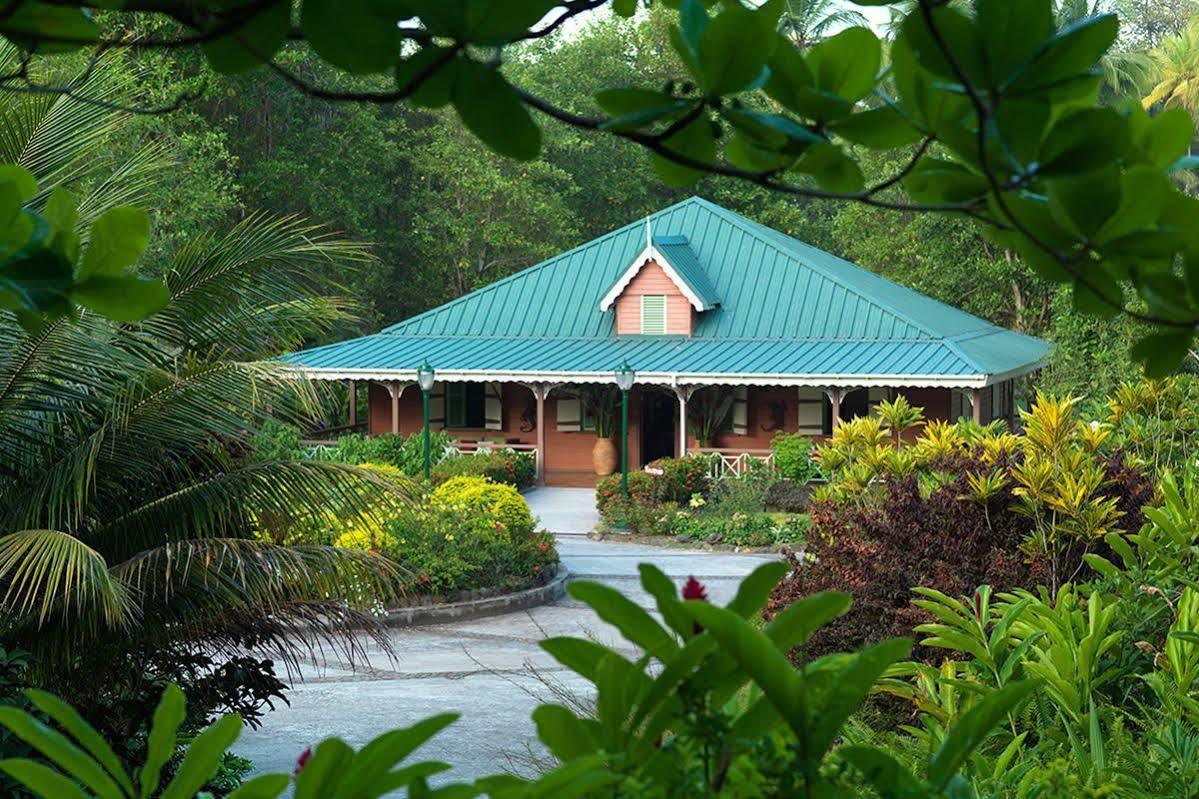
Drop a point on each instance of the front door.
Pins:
(658, 413)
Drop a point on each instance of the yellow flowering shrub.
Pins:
(480, 494)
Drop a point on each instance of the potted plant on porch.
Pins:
(709, 411)
(599, 409)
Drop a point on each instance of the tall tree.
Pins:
(806, 22)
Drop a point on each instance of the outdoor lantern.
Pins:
(424, 378)
(624, 381)
(624, 376)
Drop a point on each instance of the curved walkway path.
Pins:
(491, 669)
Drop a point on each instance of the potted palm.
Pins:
(709, 411)
(599, 407)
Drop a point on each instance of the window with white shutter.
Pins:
(653, 315)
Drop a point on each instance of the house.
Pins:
(692, 298)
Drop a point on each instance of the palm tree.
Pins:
(806, 22)
(129, 515)
(1175, 72)
(1123, 71)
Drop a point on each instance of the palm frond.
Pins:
(231, 501)
(49, 573)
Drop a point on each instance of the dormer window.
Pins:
(653, 315)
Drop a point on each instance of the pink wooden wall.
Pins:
(652, 279)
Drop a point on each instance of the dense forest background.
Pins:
(443, 216)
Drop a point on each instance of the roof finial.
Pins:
(649, 239)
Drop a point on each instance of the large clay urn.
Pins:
(604, 456)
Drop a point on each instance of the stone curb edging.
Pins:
(419, 615)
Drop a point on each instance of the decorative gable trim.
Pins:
(651, 253)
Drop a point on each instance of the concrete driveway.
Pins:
(491, 670)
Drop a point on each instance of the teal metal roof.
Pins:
(785, 309)
(686, 265)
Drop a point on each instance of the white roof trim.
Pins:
(651, 253)
(671, 378)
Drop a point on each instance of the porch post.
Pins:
(395, 406)
(976, 405)
(540, 390)
(835, 401)
(684, 394)
(353, 403)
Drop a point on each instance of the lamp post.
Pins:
(624, 381)
(424, 378)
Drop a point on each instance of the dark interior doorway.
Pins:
(657, 426)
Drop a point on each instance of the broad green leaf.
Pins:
(1072, 52)
(735, 46)
(789, 74)
(1100, 295)
(833, 169)
(850, 688)
(84, 734)
(879, 128)
(322, 773)
(254, 42)
(118, 239)
(624, 8)
(666, 596)
(951, 30)
(46, 28)
(1015, 29)
(757, 656)
(696, 142)
(774, 132)
(435, 89)
(203, 757)
(754, 590)
(635, 108)
(1166, 137)
(577, 654)
(481, 22)
(491, 109)
(44, 781)
(627, 616)
(265, 786)
(387, 751)
(360, 36)
(794, 625)
(1089, 139)
(125, 299)
(687, 35)
(1085, 203)
(936, 180)
(563, 733)
(846, 64)
(974, 727)
(161, 742)
(55, 747)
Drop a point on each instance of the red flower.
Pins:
(694, 589)
(302, 760)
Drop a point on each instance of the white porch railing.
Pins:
(734, 463)
(473, 447)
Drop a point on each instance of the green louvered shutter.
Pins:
(653, 315)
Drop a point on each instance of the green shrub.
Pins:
(741, 529)
(451, 548)
(407, 453)
(497, 501)
(787, 496)
(500, 465)
(275, 441)
(680, 478)
(793, 457)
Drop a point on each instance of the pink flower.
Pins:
(694, 589)
(302, 760)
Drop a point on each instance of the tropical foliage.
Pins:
(712, 707)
